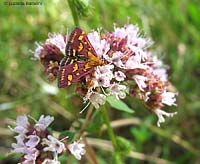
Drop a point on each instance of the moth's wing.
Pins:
(72, 73)
(66, 61)
(78, 45)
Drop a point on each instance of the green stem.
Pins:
(112, 136)
(74, 12)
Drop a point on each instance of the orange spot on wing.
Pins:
(80, 47)
(75, 68)
(69, 77)
(80, 37)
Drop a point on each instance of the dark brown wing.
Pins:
(72, 73)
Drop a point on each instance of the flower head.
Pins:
(35, 143)
(117, 63)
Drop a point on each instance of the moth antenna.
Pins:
(84, 108)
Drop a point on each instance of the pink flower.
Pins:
(77, 149)
(31, 155)
(119, 76)
(44, 122)
(101, 46)
(58, 40)
(53, 145)
(116, 59)
(103, 75)
(134, 62)
(22, 124)
(140, 80)
(33, 141)
(20, 147)
(38, 51)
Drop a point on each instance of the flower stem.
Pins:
(74, 12)
(112, 136)
(87, 119)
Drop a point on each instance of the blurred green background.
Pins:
(174, 25)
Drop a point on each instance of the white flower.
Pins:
(54, 145)
(115, 59)
(103, 81)
(120, 32)
(106, 70)
(140, 80)
(161, 114)
(161, 73)
(97, 99)
(101, 46)
(158, 68)
(44, 122)
(50, 161)
(58, 40)
(118, 91)
(119, 76)
(19, 147)
(28, 161)
(168, 98)
(135, 62)
(146, 96)
(31, 155)
(33, 141)
(77, 149)
(133, 37)
(103, 76)
(22, 124)
(38, 51)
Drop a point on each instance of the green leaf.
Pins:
(124, 145)
(140, 134)
(3, 156)
(119, 104)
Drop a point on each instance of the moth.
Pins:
(80, 59)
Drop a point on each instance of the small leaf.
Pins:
(124, 145)
(119, 104)
(140, 134)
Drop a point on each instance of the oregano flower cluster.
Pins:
(128, 67)
(37, 145)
